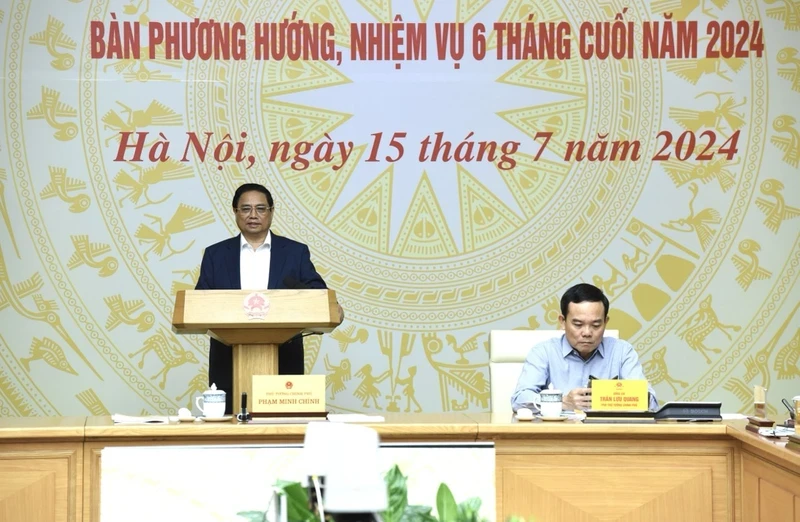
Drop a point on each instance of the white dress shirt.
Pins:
(254, 264)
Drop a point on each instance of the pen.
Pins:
(789, 407)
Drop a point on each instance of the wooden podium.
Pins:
(254, 323)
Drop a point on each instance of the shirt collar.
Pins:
(567, 348)
(267, 242)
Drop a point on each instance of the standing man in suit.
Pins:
(256, 259)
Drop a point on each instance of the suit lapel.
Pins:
(276, 261)
(232, 263)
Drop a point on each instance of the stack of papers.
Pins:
(285, 420)
(733, 416)
(129, 419)
(777, 431)
(332, 417)
(354, 417)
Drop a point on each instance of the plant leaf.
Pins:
(296, 501)
(473, 504)
(253, 516)
(446, 505)
(468, 510)
(418, 514)
(397, 492)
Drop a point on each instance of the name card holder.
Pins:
(289, 396)
(620, 395)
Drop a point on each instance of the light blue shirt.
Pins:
(555, 361)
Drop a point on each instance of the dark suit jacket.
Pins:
(290, 267)
(290, 261)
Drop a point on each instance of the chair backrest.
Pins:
(507, 352)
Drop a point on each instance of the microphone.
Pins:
(244, 415)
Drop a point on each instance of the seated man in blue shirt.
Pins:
(568, 361)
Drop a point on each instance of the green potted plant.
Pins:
(399, 510)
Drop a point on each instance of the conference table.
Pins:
(554, 471)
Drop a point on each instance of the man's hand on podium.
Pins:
(341, 312)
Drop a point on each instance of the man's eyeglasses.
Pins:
(247, 209)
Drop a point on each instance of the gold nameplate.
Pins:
(288, 394)
(619, 395)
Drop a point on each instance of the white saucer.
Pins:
(216, 419)
(524, 418)
(187, 419)
(559, 418)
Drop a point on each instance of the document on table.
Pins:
(354, 417)
(131, 419)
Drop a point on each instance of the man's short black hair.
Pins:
(583, 292)
(249, 187)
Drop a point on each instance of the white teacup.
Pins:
(524, 414)
(213, 402)
(549, 404)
